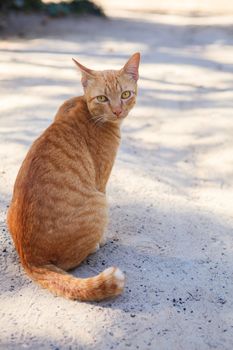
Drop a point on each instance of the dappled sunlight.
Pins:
(12, 103)
(171, 188)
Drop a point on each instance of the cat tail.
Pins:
(108, 283)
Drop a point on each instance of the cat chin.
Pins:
(109, 119)
(117, 120)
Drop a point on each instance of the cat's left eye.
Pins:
(102, 98)
(126, 94)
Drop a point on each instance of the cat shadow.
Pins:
(159, 261)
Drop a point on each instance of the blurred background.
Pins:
(171, 188)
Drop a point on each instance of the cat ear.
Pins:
(131, 67)
(87, 73)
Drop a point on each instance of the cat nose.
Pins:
(117, 111)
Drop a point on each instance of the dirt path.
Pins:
(170, 194)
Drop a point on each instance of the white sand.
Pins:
(170, 193)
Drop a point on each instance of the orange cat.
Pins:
(58, 213)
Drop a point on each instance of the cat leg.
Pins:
(85, 240)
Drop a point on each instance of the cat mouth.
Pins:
(119, 117)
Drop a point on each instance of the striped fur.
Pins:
(58, 212)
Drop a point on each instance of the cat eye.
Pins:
(102, 98)
(125, 94)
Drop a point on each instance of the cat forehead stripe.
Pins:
(112, 84)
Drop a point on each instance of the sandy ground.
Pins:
(170, 193)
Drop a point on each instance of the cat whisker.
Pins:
(98, 120)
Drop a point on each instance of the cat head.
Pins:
(111, 94)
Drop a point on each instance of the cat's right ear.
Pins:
(131, 66)
(87, 74)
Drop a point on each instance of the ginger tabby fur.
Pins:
(58, 214)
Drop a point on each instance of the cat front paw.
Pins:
(97, 247)
(103, 241)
